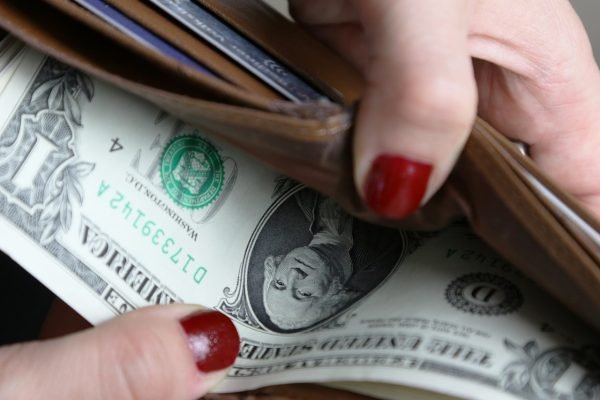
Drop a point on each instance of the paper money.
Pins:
(115, 205)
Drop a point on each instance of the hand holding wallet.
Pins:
(506, 199)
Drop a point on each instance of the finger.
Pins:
(420, 102)
(549, 85)
(166, 352)
(319, 12)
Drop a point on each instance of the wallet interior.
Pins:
(293, 47)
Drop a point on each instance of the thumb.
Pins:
(419, 104)
(165, 352)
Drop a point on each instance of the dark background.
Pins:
(24, 303)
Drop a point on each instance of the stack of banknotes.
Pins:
(115, 205)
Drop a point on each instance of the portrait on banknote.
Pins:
(310, 261)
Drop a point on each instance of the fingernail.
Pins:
(213, 340)
(395, 186)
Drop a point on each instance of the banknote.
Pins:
(115, 205)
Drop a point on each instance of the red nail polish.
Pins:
(395, 186)
(213, 340)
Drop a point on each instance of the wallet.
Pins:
(507, 201)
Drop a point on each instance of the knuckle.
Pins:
(439, 102)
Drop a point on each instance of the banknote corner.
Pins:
(192, 171)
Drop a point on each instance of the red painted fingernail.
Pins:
(213, 340)
(395, 186)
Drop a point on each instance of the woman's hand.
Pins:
(166, 352)
(525, 66)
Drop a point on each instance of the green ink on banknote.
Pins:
(192, 171)
(150, 229)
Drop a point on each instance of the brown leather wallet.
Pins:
(507, 200)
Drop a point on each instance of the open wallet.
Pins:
(507, 201)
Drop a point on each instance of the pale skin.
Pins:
(534, 78)
(141, 355)
(533, 63)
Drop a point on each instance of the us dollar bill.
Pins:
(115, 205)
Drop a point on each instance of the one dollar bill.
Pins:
(115, 205)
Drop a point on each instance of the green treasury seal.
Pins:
(192, 171)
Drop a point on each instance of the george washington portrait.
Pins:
(311, 261)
